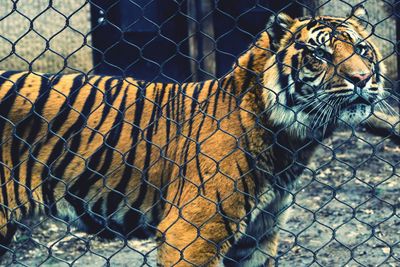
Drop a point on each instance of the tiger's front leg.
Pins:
(385, 125)
(198, 234)
(186, 245)
(258, 245)
(248, 252)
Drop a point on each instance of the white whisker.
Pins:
(323, 101)
(332, 108)
(386, 108)
(327, 118)
(321, 113)
(391, 94)
(389, 107)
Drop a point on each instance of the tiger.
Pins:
(206, 168)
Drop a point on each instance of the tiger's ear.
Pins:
(277, 26)
(360, 14)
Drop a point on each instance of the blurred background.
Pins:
(162, 40)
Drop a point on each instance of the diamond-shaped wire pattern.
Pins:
(199, 133)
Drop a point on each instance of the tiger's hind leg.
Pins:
(7, 231)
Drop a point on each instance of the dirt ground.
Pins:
(345, 212)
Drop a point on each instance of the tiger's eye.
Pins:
(319, 53)
(360, 50)
(322, 54)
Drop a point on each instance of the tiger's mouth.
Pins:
(354, 97)
(356, 109)
(339, 105)
(359, 100)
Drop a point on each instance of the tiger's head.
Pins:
(325, 70)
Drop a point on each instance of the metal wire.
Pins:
(251, 168)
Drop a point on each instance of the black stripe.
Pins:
(46, 85)
(149, 136)
(311, 24)
(183, 95)
(15, 145)
(155, 209)
(88, 178)
(174, 89)
(180, 107)
(37, 109)
(74, 131)
(250, 159)
(35, 151)
(308, 80)
(178, 95)
(108, 103)
(295, 68)
(227, 88)
(376, 64)
(217, 92)
(290, 97)
(318, 38)
(5, 107)
(79, 190)
(334, 23)
(283, 78)
(320, 28)
(159, 104)
(97, 209)
(247, 205)
(117, 195)
(206, 102)
(195, 99)
(291, 100)
(133, 215)
(187, 143)
(204, 111)
(300, 45)
(348, 36)
(3, 115)
(65, 109)
(168, 119)
(312, 42)
(249, 74)
(58, 148)
(233, 96)
(231, 236)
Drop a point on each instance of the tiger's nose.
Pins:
(359, 79)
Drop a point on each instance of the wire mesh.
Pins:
(152, 152)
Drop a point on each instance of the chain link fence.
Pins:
(199, 133)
